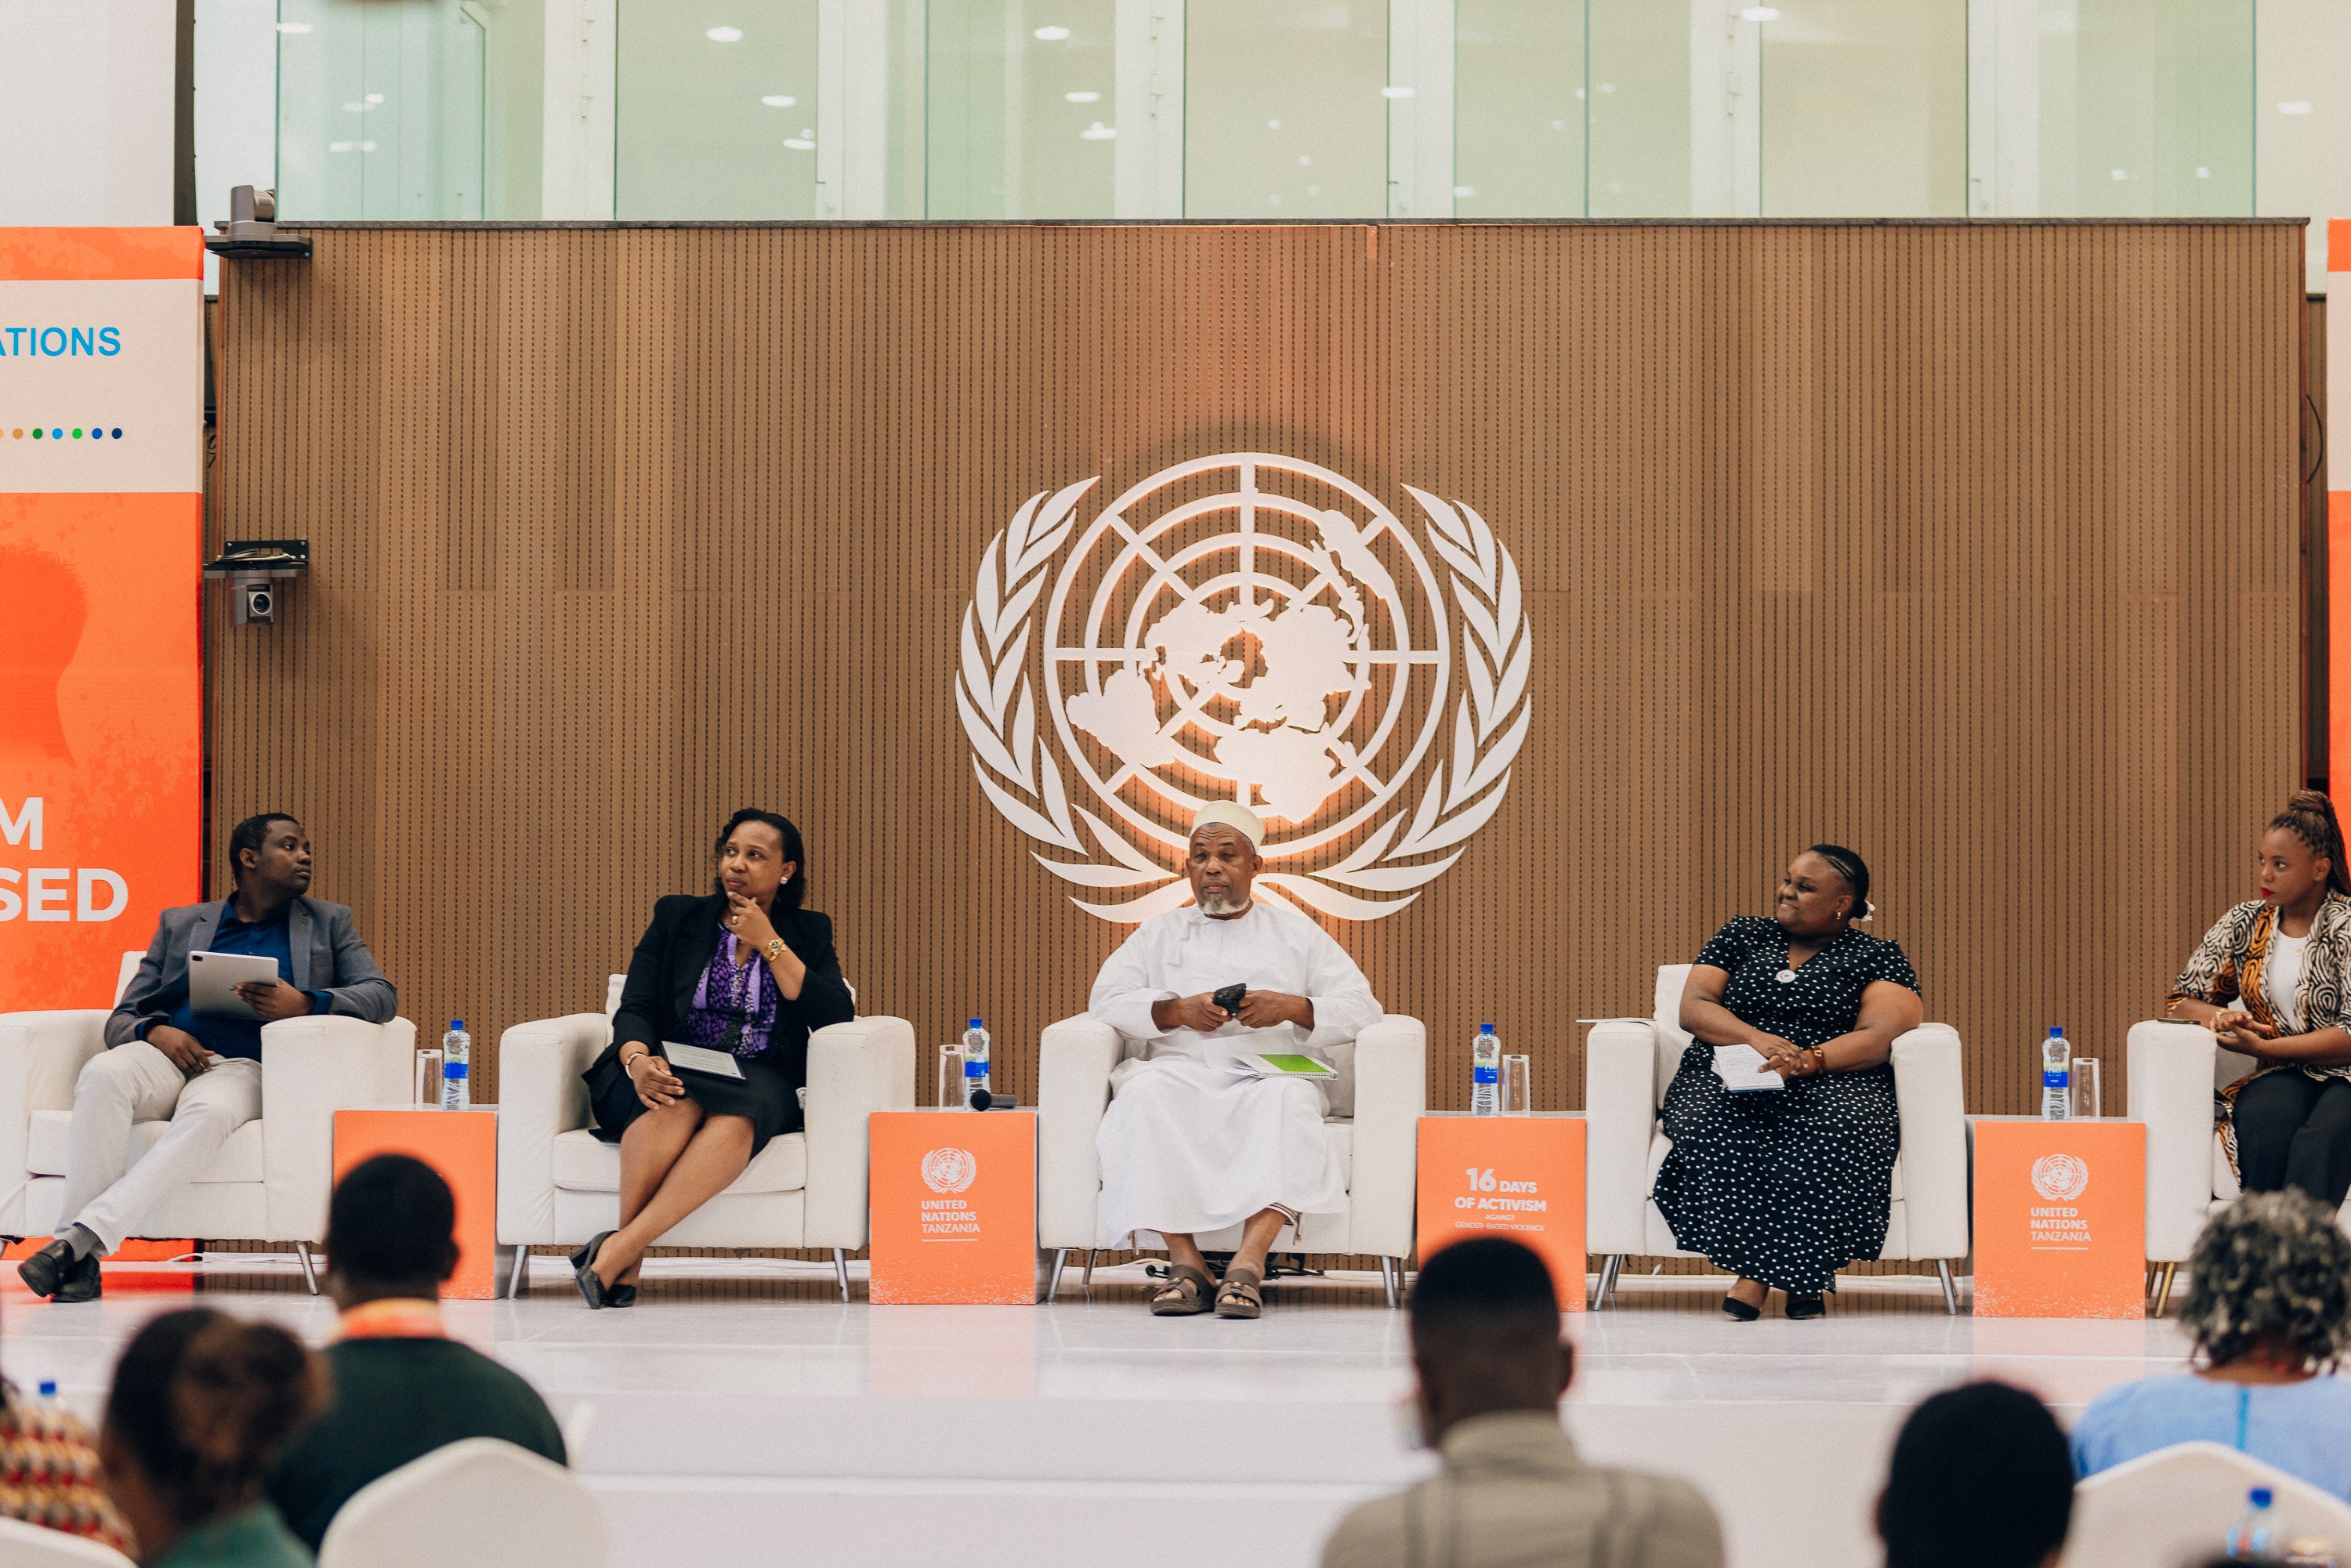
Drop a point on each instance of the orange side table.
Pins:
(2060, 1218)
(1519, 1176)
(954, 1196)
(463, 1146)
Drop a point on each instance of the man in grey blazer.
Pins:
(202, 1071)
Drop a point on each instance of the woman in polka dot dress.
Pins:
(1782, 1188)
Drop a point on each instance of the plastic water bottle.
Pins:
(48, 1393)
(2056, 1076)
(1486, 1073)
(975, 1060)
(2250, 1536)
(456, 1090)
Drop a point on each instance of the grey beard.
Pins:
(1218, 904)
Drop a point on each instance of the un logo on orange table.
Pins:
(949, 1170)
(2061, 1178)
(1247, 627)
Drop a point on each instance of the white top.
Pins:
(1267, 947)
(2282, 976)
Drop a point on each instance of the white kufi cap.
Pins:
(1232, 814)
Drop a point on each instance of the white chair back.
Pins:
(126, 974)
(2175, 1506)
(1672, 1038)
(479, 1501)
(612, 984)
(24, 1545)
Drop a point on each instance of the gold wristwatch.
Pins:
(774, 949)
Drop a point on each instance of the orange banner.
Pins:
(101, 521)
(2060, 1218)
(463, 1146)
(1519, 1176)
(954, 1208)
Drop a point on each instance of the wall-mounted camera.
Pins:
(251, 226)
(257, 572)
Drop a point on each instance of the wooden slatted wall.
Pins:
(1972, 545)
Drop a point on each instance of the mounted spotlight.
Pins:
(253, 567)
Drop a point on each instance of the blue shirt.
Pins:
(2302, 1428)
(266, 939)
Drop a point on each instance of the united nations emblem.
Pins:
(2061, 1178)
(1255, 628)
(949, 1170)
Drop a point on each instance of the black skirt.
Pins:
(766, 1097)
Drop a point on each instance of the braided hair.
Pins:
(1855, 872)
(2310, 816)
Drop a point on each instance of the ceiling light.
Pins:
(1097, 131)
(1607, 87)
(1759, 14)
(2295, 107)
(1305, 160)
(1313, 189)
(338, 146)
(1083, 97)
(1465, 190)
(2122, 174)
(293, 26)
(367, 146)
(1395, 92)
(800, 144)
(2202, 173)
(779, 101)
(375, 98)
(1052, 34)
(1559, 125)
(1273, 125)
(725, 35)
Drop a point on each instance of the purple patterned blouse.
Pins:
(735, 1005)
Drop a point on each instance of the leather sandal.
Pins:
(1187, 1293)
(1237, 1297)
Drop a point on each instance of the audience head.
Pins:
(200, 1405)
(2270, 1279)
(1825, 890)
(391, 1231)
(270, 853)
(761, 857)
(2303, 851)
(1980, 1478)
(1222, 856)
(1484, 1333)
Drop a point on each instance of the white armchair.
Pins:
(1375, 1107)
(1628, 1062)
(269, 1182)
(558, 1184)
(2172, 1070)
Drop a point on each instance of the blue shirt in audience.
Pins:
(264, 939)
(2302, 1428)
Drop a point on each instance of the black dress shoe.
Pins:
(1812, 1306)
(583, 1272)
(1739, 1311)
(620, 1296)
(44, 1271)
(81, 1283)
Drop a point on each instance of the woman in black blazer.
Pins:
(745, 970)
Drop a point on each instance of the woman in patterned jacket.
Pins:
(2268, 980)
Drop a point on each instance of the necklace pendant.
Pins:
(1786, 977)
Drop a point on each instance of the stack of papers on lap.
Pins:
(1742, 1070)
(697, 1059)
(1281, 1065)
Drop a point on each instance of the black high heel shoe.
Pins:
(583, 1273)
(1813, 1306)
(1739, 1311)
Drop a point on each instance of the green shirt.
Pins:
(397, 1400)
(256, 1538)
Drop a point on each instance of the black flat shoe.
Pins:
(47, 1269)
(583, 1273)
(1812, 1306)
(1739, 1311)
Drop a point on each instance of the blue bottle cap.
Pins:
(973, 1024)
(2056, 1030)
(1485, 1028)
(48, 1388)
(2260, 1495)
(460, 1023)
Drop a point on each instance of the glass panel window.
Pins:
(714, 109)
(380, 109)
(1285, 114)
(1639, 109)
(2147, 108)
(1021, 118)
(1866, 109)
(1518, 116)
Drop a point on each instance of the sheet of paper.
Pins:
(717, 1064)
(1740, 1068)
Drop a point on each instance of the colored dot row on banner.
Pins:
(65, 432)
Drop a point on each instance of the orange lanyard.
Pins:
(394, 1317)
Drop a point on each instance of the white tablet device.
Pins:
(212, 979)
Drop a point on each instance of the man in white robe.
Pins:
(1188, 1146)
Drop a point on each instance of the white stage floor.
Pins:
(742, 1415)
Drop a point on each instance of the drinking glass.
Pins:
(951, 1092)
(428, 1078)
(2086, 1098)
(1517, 1086)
